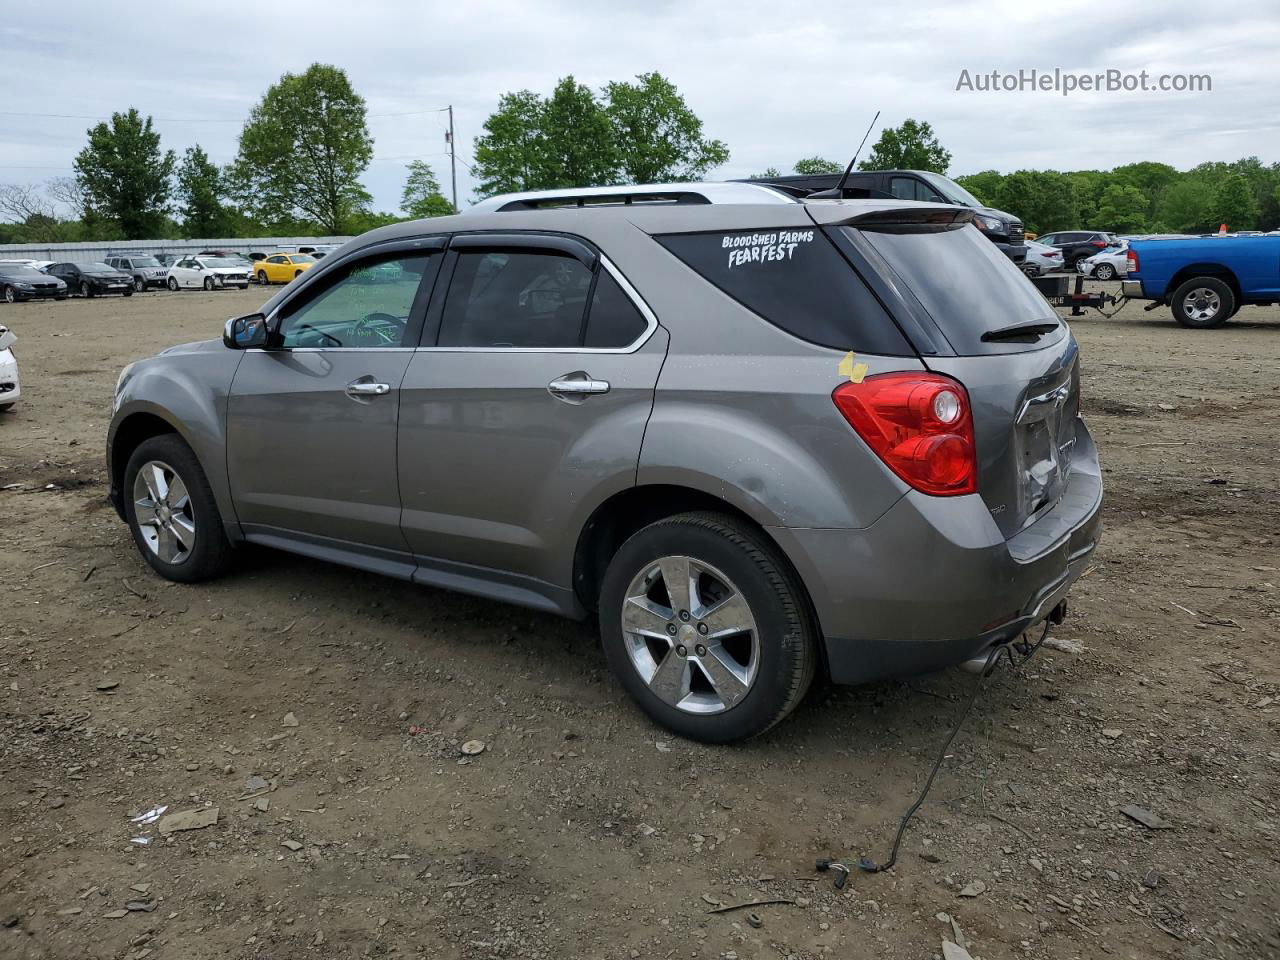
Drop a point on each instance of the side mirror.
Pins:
(244, 333)
(7, 339)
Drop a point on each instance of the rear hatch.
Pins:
(976, 318)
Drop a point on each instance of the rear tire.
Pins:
(180, 537)
(262, 277)
(770, 665)
(1202, 303)
(1105, 271)
(172, 284)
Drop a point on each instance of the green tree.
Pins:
(199, 195)
(1088, 185)
(911, 146)
(813, 166)
(421, 197)
(1153, 179)
(1123, 209)
(125, 176)
(766, 174)
(581, 150)
(511, 155)
(1234, 204)
(657, 137)
(984, 185)
(1184, 208)
(1044, 199)
(304, 148)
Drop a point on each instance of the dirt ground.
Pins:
(582, 830)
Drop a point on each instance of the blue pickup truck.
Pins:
(1204, 280)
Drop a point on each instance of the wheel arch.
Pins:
(1204, 269)
(138, 426)
(629, 510)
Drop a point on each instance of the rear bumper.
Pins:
(1132, 288)
(933, 582)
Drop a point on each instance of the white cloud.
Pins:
(774, 82)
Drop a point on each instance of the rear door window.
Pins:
(965, 284)
(515, 298)
(798, 281)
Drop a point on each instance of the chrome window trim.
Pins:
(651, 324)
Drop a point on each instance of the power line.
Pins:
(85, 116)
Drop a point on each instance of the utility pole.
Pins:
(453, 162)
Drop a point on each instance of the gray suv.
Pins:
(758, 441)
(146, 270)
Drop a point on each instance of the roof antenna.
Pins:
(849, 169)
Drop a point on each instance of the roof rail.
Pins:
(644, 194)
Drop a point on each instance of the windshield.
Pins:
(145, 262)
(219, 262)
(952, 190)
(301, 258)
(95, 267)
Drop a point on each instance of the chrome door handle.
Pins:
(364, 388)
(576, 387)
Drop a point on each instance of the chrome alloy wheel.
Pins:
(1202, 304)
(690, 635)
(163, 508)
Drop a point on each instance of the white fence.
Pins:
(80, 252)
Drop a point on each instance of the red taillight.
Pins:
(919, 424)
(1132, 257)
(1099, 243)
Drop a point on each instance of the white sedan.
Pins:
(1041, 259)
(209, 273)
(1106, 264)
(10, 388)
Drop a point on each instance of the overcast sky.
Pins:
(775, 82)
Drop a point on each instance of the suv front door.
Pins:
(311, 419)
(525, 406)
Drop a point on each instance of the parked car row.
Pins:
(127, 274)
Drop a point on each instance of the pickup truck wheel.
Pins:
(172, 513)
(706, 627)
(1203, 302)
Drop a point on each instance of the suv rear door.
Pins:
(1023, 389)
(527, 400)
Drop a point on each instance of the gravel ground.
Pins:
(322, 713)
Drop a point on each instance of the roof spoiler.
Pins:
(578, 199)
(915, 218)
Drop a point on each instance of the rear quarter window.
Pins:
(796, 280)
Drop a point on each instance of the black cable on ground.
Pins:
(866, 864)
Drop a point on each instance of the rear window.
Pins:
(964, 283)
(796, 280)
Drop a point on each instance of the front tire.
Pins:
(172, 513)
(128, 292)
(172, 284)
(86, 291)
(1203, 302)
(707, 627)
(208, 284)
(139, 284)
(10, 295)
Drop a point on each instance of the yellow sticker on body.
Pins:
(856, 372)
